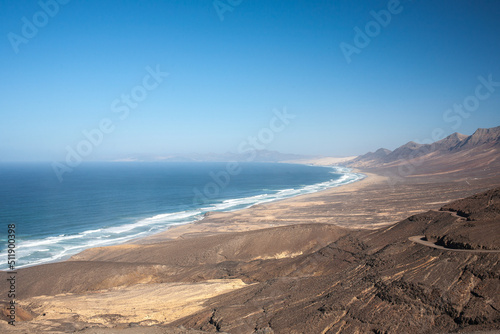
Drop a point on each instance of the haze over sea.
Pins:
(102, 204)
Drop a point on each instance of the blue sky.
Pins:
(225, 77)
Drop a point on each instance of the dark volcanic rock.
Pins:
(483, 206)
(372, 282)
(479, 227)
(315, 278)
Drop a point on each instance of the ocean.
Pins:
(100, 204)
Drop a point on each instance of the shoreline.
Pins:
(236, 254)
(370, 203)
(158, 235)
(206, 226)
(355, 205)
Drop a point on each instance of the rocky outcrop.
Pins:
(477, 226)
(481, 137)
(371, 282)
(312, 278)
(462, 146)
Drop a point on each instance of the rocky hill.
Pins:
(483, 143)
(314, 278)
(375, 282)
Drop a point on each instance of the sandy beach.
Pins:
(370, 203)
(170, 276)
(250, 167)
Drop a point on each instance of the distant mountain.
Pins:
(482, 137)
(251, 156)
(450, 142)
(371, 157)
(483, 142)
(378, 154)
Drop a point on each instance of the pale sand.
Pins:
(147, 304)
(273, 214)
(373, 202)
(369, 203)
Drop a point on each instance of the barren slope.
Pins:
(368, 282)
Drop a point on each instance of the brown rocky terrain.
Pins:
(453, 152)
(478, 221)
(398, 252)
(377, 282)
(314, 278)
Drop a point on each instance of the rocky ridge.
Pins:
(456, 144)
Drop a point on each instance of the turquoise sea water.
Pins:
(101, 204)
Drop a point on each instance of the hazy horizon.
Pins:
(204, 157)
(116, 79)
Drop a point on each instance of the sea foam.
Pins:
(54, 248)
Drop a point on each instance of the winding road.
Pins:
(419, 240)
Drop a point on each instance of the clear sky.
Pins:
(353, 83)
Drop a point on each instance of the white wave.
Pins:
(39, 251)
(91, 231)
(158, 219)
(236, 204)
(49, 240)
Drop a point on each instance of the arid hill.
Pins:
(375, 282)
(483, 144)
(315, 278)
(337, 261)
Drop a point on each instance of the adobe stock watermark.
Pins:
(121, 107)
(460, 111)
(372, 29)
(248, 148)
(11, 262)
(223, 6)
(30, 27)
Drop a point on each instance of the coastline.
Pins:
(373, 202)
(194, 265)
(214, 222)
(362, 204)
(370, 203)
(194, 216)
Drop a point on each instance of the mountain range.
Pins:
(483, 144)
(421, 255)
